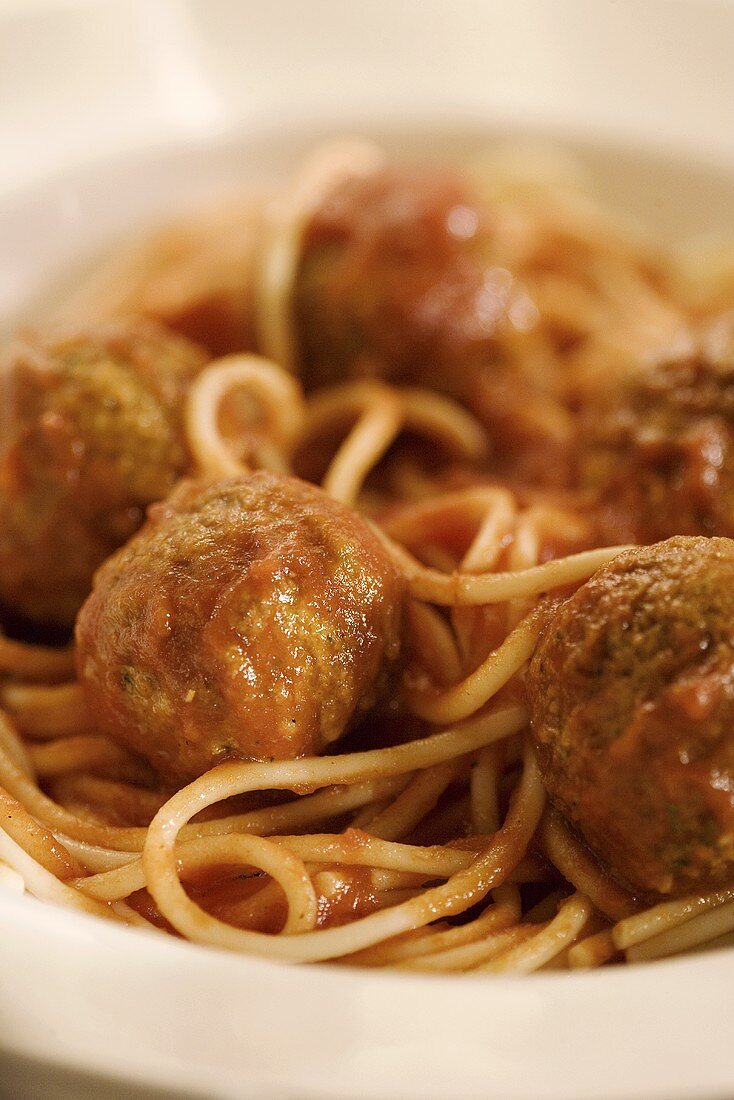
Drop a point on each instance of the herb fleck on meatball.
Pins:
(90, 434)
(251, 618)
(631, 694)
(659, 451)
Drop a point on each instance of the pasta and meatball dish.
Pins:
(367, 579)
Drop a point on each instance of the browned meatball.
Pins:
(659, 451)
(398, 281)
(631, 694)
(90, 434)
(250, 618)
(393, 281)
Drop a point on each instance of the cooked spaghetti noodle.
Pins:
(425, 840)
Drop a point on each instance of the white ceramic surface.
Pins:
(80, 80)
(184, 100)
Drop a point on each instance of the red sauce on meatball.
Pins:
(250, 618)
(631, 694)
(399, 281)
(90, 434)
(658, 449)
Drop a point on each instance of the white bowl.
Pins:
(78, 996)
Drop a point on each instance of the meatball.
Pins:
(90, 434)
(659, 449)
(631, 694)
(398, 281)
(251, 618)
(393, 282)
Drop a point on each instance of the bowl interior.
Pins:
(157, 1011)
(52, 232)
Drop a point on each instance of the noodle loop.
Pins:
(430, 348)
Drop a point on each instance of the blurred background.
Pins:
(81, 79)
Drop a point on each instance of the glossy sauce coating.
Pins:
(250, 618)
(659, 448)
(398, 281)
(393, 282)
(90, 434)
(631, 694)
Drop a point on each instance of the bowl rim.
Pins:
(620, 999)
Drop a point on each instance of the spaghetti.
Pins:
(425, 841)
